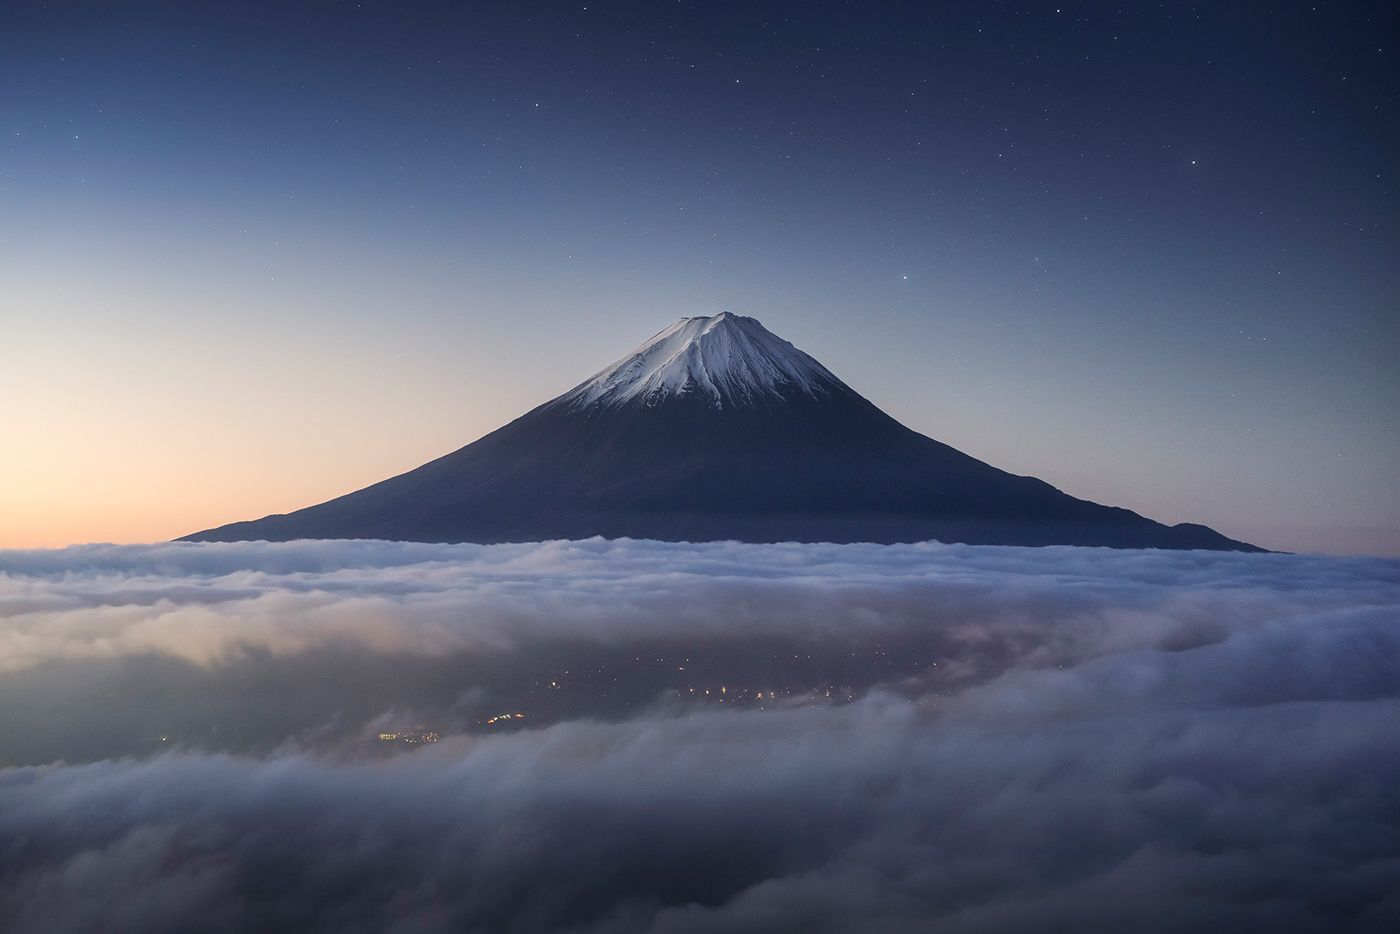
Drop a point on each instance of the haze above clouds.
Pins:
(988, 738)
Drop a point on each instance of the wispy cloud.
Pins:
(1021, 739)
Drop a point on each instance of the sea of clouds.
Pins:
(964, 739)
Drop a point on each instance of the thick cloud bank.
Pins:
(712, 738)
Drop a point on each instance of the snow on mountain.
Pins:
(727, 358)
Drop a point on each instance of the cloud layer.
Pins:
(988, 739)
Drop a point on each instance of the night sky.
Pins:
(255, 255)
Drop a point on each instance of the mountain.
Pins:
(716, 428)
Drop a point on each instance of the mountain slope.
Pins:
(716, 428)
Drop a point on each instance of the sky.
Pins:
(256, 255)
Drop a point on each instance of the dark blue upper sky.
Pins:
(1148, 252)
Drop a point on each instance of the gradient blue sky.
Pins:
(255, 255)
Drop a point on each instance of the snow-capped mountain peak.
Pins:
(715, 429)
(727, 359)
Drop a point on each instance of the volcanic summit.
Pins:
(716, 428)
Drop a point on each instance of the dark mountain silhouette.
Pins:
(716, 429)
